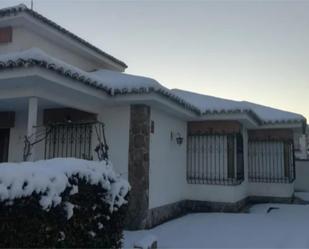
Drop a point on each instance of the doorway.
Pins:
(4, 144)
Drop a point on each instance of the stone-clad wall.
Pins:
(139, 166)
(158, 215)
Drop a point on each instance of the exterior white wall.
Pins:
(302, 175)
(17, 137)
(271, 189)
(302, 151)
(17, 134)
(167, 182)
(25, 39)
(216, 193)
(117, 126)
(167, 174)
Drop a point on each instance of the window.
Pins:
(271, 161)
(215, 159)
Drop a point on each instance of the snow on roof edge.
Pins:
(36, 57)
(201, 101)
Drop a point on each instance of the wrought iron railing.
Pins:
(215, 159)
(271, 161)
(68, 139)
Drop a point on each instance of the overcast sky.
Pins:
(243, 50)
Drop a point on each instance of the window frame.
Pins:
(288, 163)
(234, 167)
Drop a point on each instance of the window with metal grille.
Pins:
(69, 140)
(271, 161)
(215, 159)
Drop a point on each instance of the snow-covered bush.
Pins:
(61, 203)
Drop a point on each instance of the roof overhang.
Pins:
(299, 126)
(39, 71)
(245, 119)
(158, 101)
(36, 81)
(18, 82)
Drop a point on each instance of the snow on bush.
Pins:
(50, 178)
(62, 203)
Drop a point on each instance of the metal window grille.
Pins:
(69, 140)
(271, 161)
(215, 159)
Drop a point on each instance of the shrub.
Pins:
(61, 203)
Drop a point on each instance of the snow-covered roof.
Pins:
(210, 105)
(14, 10)
(112, 83)
(273, 115)
(123, 82)
(117, 83)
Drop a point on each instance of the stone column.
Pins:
(139, 166)
(32, 123)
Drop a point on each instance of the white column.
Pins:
(32, 123)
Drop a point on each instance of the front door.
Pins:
(4, 144)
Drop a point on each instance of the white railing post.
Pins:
(32, 123)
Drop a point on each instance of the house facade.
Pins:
(181, 151)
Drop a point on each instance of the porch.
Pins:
(32, 100)
(35, 128)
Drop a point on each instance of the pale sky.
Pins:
(244, 50)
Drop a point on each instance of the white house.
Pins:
(180, 151)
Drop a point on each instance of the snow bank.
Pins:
(50, 178)
(302, 195)
(146, 242)
(286, 227)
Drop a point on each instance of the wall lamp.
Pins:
(178, 138)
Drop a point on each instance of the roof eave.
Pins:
(92, 82)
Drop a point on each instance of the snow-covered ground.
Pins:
(285, 226)
(302, 195)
